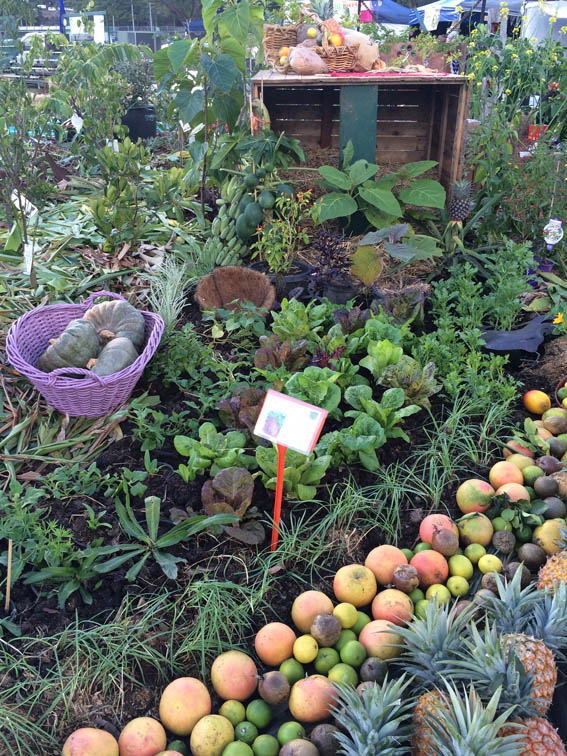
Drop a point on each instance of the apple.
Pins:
(312, 32)
(337, 39)
(283, 60)
(284, 52)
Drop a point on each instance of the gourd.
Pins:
(115, 356)
(116, 319)
(75, 347)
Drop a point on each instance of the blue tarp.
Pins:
(447, 12)
(196, 26)
(389, 12)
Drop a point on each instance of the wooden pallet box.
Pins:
(391, 120)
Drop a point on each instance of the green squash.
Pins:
(75, 347)
(116, 319)
(115, 356)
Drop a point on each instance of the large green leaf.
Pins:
(209, 13)
(220, 70)
(337, 179)
(162, 64)
(361, 171)
(336, 205)
(189, 104)
(237, 52)
(424, 192)
(411, 170)
(383, 199)
(366, 264)
(177, 52)
(377, 218)
(226, 107)
(235, 21)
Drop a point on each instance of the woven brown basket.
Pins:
(338, 58)
(229, 286)
(276, 37)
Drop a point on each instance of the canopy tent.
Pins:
(430, 15)
(537, 23)
(390, 12)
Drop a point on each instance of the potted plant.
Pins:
(140, 116)
(278, 242)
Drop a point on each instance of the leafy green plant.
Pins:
(151, 544)
(357, 443)
(242, 409)
(245, 323)
(212, 450)
(276, 354)
(355, 188)
(296, 321)
(317, 386)
(302, 474)
(380, 355)
(418, 383)
(267, 150)
(94, 519)
(230, 491)
(69, 481)
(519, 514)
(398, 241)
(389, 411)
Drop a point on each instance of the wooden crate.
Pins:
(417, 118)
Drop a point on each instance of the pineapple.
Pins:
(460, 207)
(323, 8)
(539, 738)
(376, 723)
(521, 665)
(447, 723)
(553, 572)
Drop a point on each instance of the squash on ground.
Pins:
(116, 319)
(75, 347)
(115, 356)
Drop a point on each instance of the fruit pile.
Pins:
(514, 524)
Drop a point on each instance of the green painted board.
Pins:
(359, 111)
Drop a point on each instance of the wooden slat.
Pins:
(297, 112)
(396, 143)
(391, 128)
(409, 115)
(399, 158)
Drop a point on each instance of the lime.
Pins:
(347, 614)
(326, 660)
(439, 593)
(290, 731)
(499, 523)
(421, 608)
(353, 653)
(344, 638)
(408, 553)
(238, 748)
(293, 670)
(531, 473)
(489, 563)
(461, 566)
(474, 552)
(363, 619)
(259, 713)
(343, 673)
(562, 393)
(234, 711)
(417, 595)
(266, 745)
(458, 586)
(179, 746)
(523, 534)
(305, 649)
(246, 732)
(422, 547)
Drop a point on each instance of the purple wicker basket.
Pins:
(93, 395)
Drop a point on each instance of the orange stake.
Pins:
(279, 493)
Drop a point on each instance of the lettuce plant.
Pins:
(211, 450)
(230, 491)
(380, 355)
(417, 382)
(317, 386)
(302, 474)
(389, 411)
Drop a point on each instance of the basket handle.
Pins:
(65, 371)
(88, 302)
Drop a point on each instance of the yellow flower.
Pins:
(514, 56)
(553, 19)
(559, 318)
(508, 91)
(472, 44)
(563, 30)
(516, 166)
(529, 52)
(479, 83)
(495, 68)
(472, 76)
(474, 32)
(459, 9)
(524, 18)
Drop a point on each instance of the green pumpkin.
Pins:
(116, 319)
(73, 348)
(115, 356)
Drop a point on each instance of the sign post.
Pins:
(290, 424)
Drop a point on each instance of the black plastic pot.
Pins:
(339, 292)
(141, 121)
(299, 276)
